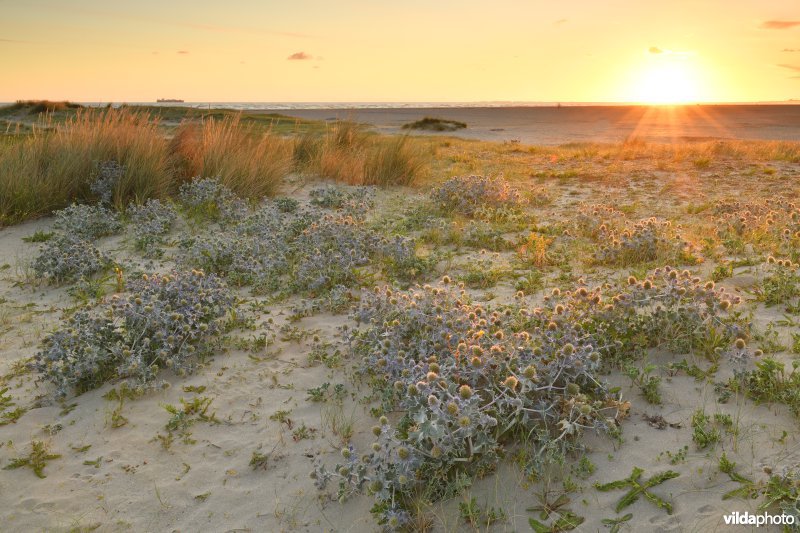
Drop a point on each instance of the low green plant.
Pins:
(677, 457)
(704, 431)
(769, 382)
(615, 524)
(36, 460)
(7, 414)
(637, 488)
(185, 416)
(647, 383)
(40, 236)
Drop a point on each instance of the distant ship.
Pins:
(169, 100)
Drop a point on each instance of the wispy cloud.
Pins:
(559, 22)
(299, 56)
(795, 68)
(11, 41)
(657, 50)
(779, 24)
(791, 49)
(183, 52)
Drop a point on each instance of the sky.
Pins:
(392, 51)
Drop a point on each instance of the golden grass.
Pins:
(54, 166)
(346, 154)
(250, 163)
(56, 163)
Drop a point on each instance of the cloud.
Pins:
(779, 24)
(183, 52)
(299, 56)
(559, 22)
(11, 41)
(795, 68)
(791, 49)
(655, 50)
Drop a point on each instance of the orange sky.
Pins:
(414, 50)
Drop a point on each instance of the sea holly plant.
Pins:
(467, 379)
(208, 199)
(470, 196)
(87, 221)
(151, 221)
(66, 258)
(165, 321)
(71, 255)
(647, 240)
(637, 488)
(309, 250)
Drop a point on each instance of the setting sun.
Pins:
(666, 81)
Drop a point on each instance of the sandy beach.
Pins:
(603, 124)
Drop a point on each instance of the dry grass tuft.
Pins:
(346, 154)
(250, 163)
(55, 165)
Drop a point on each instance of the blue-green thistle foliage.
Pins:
(307, 249)
(71, 255)
(163, 322)
(468, 380)
(151, 221)
(469, 195)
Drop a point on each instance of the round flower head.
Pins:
(465, 391)
(511, 382)
(740, 344)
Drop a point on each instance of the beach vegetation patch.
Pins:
(435, 124)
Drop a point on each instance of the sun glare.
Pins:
(666, 82)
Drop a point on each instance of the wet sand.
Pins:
(560, 125)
